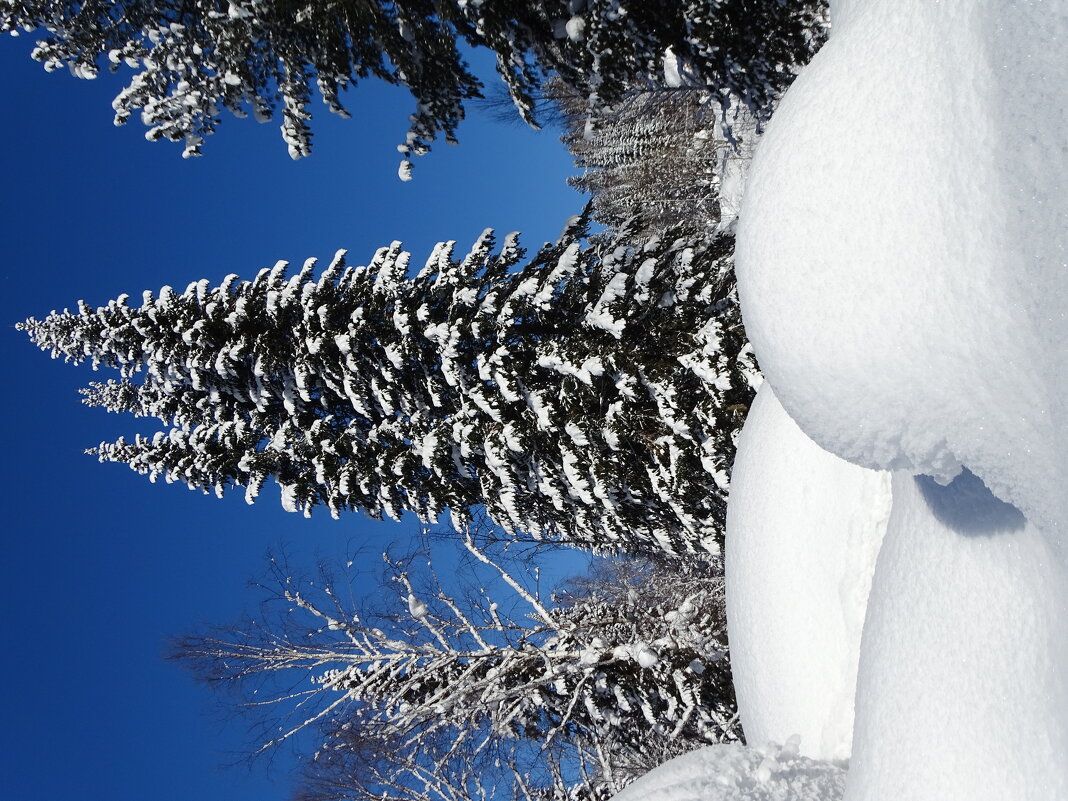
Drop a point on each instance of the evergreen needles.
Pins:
(586, 395)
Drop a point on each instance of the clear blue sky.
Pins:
(100, 567)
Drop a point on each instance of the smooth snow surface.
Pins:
(736, 773)
(902, 263)
(733, 173)
(959, 697)
(902, 247)
(839, 11)
(803, 531)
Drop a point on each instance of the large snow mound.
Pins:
(902, 263)
(902, 246)
(803, 531)
(961, 694)
(737, 773)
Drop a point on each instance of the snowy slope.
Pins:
(737, 773)
(803, 531)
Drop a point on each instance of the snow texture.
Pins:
(840, 9)
(901, 264)
(673, 71)
(961, 692)
(733, 175)
(799, 561)
(576, 28)
(736, 773)
(902, 245)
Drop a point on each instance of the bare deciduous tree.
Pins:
(446, 697)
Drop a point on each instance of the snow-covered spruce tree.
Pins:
(195, 58)
(738, 50)
(589, 395)
(560, 697)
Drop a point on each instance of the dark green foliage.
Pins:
(745, 51)
(195, 58)
(589, 395)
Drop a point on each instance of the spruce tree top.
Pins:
(589, 394)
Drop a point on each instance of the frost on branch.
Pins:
(588, 394)
(557, 688)
(193, 60)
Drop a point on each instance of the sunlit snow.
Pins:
(799, 565)
(901, 265)
(735, 773)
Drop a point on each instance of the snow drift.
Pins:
(960, 692)
(901, 253)
(803, 531)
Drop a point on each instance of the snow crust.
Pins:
(803, 530)
(901, 252)
(737, 773)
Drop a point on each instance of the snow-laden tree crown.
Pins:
(193, 60)
(589, 394)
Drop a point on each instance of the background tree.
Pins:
(195, 58)
(446, 696)
(660, 155)
(590, 395)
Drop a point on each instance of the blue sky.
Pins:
(100, 567)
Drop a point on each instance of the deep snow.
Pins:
(799, 561)
(901, 251)
(959, 695)
(901, 260)
(737, 773)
